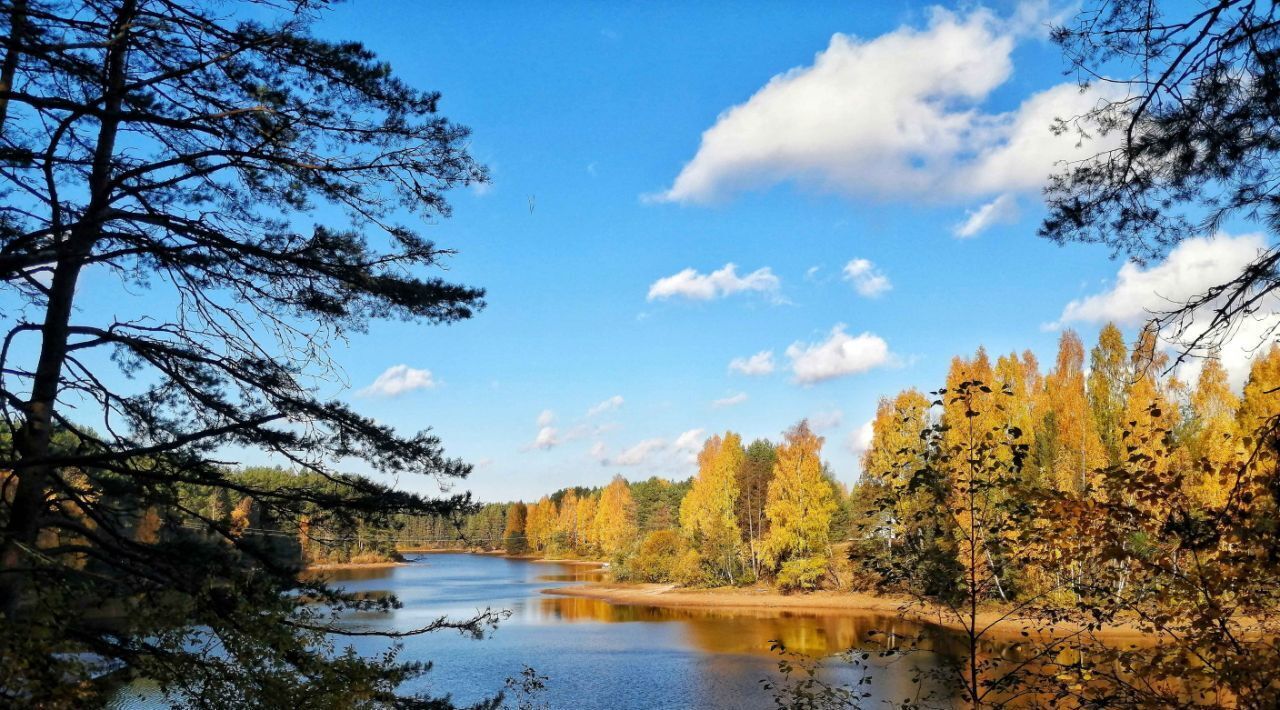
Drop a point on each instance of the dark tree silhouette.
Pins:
(171, 295)
(1199, 142)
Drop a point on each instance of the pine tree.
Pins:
(753, 488)
(244, 193)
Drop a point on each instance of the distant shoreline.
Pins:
(824, 603)
(330, 566)
(527, 557)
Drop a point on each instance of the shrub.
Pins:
(656, 559)
(690, 570)
(802, 573)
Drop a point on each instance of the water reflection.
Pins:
(602, 655)
(737, 630)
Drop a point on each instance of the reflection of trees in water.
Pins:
(749, 630)
(922, 660)
(354, 574)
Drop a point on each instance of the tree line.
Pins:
(760, 511)
(776, 511)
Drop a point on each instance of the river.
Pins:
(596, 654)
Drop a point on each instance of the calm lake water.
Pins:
(596, 654)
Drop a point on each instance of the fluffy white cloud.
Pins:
(839, 355)
(859, 440)
(398, 379)
(897, 115)
(1002, 210)
(690, 440)
(1190, 269)
(608, 405)
(547, 438)
(639, 454)
(598, 452)
(730, 401)
(759, 364)
(546, 417)
(867, 280)
(719, 283)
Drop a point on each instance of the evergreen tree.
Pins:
(753, 488)
(185, 150)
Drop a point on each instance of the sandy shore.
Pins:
(825, 603)
(352, 565)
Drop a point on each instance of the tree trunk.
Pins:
(33, 438)
(12, 52)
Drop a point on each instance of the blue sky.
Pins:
(872, 171)
(587, 115)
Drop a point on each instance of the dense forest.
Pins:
(775, 512)
(1104, 491)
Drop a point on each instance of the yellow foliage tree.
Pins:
(567, 527)
(588, 507)
(615, 525)
(1215, 442)
(513, 534)
(1069, 447)
(1148, 414)
(799, 507)
(896, 452)
(1107, 387)
(1261, 401)
(708, 516)
(540, 524)
(243, 516)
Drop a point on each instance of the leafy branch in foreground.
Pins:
(170, 295)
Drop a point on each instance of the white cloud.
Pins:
(867, 280)
(398, 379)
(837, 356)
(759, 364)
(859, 439)
(690, 440)
(1190, 269)
(608, 405)
(730, 401)
(598, 452)
(547, 438)
(546, 418)
(1002, 210)
(717, 284)
(639, 454)
(897, 115)
(829, 419)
